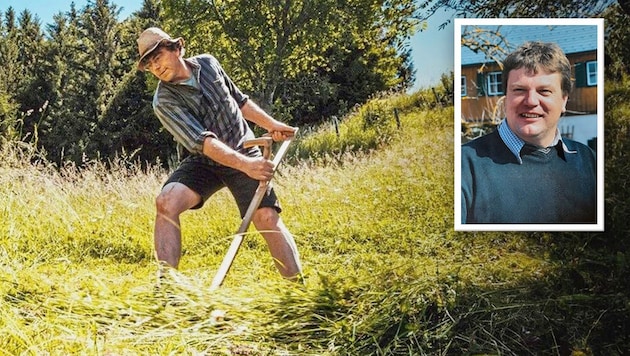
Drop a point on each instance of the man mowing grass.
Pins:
(206, 113)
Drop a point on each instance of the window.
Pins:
(464, 89)
(591, 73)
(495, 87)
(586, 74)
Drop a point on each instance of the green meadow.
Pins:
(371, 208)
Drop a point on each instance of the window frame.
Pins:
(591, 69)
(494, 87)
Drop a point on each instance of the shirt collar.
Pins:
(195, 67)
(515, 143)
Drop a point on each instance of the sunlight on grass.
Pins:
(385, 272)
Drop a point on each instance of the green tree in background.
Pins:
(127, 124)
(617, 36)
(9, 73)
(31, 85)
(300, 58)
(21, 56)
(519, 8)
(73, 88)
(62, 129)
(74, 109)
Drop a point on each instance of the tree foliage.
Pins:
(72, 87)
(8, 75)
(617, 36)
(302, 59)
(519, 8)
(616, 14)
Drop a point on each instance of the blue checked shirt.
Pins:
(208, 105)
(516, 144)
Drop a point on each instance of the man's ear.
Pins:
(565, 99)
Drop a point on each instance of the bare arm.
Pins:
(279, 131)
(256, 167)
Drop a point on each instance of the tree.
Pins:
(616, 14)
(519, 8)
(79, 62)
(256, 40)
(63, 132)
(100, 39)
(9, 75)
(129, 126)
(271, 47)
(128, 123)
(34, 87)
(83, 69)
(617, 36)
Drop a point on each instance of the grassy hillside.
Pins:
(371, 210)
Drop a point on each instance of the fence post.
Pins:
(397, 117)
(438, 100)
(336, 123)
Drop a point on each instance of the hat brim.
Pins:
(157, 44)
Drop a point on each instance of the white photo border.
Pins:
(599, 22)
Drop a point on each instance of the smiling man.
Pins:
(524, 172)
(197, 102)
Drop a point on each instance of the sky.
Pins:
(432, 49)
(46, 9)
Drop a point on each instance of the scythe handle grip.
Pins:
(260, 141)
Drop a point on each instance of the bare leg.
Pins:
(280, 242)
(174, 199)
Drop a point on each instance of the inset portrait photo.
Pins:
(529, 131)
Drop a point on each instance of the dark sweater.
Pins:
(551, 186)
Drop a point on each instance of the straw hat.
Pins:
(150, 39)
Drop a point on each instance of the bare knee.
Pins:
(266, 218)
(174, 200)
(163, 204)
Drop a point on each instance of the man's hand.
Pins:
(278, 131)
(258, 168)
(281, 132)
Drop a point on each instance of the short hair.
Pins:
(538, 56)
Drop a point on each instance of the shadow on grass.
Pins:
(580, 306)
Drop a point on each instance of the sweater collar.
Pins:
(516, 144)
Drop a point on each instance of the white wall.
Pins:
(584, 127)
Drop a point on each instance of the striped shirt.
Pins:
(207, 106)
(516, 144)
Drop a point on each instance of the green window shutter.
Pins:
(580, 75)
(481, 84)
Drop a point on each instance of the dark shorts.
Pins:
(206, 179)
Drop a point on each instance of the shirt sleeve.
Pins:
(235, 92)
(186, 130)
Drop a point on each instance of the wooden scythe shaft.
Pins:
(253, 206)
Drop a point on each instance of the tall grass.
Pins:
(365, 128)
(385, 272)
